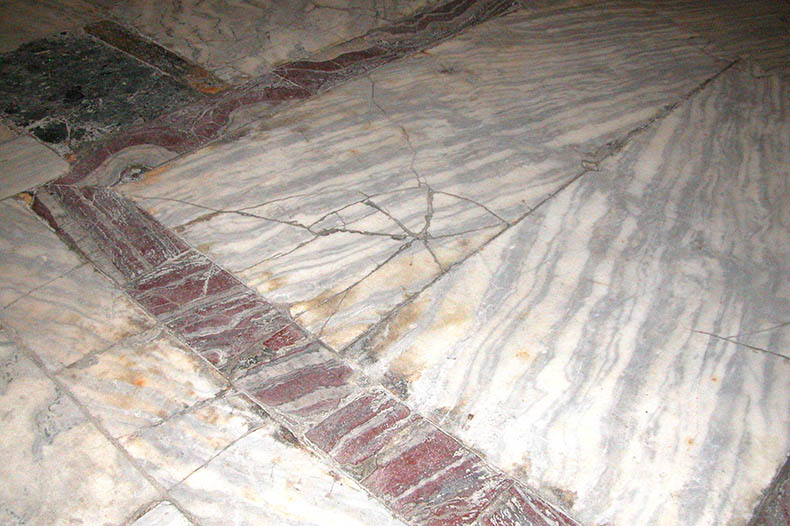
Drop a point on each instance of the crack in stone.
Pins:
(784, 324)
(345, 291)
(587, 165)
(736, 342)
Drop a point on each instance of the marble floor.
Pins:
(397, 262)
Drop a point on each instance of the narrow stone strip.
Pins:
(197, 124)
(421, 473)
(155, 55)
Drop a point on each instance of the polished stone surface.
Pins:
(238, 39)
(173, 449)
(58, 468)
(6, 133)
(758, 30)
(499, 264)
(163, 514)
(141, 382)
(430, 157)
(31, 255)
(267, 478)
(69, 90)
(62, 324)
(26, 163)
(625, 349)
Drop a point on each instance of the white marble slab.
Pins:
(342, 207)
(625, 350)
(31, 255)
(238, 39)
(173, 449)
(61, 323)
(163, 514)
(25, 20)
(25, 163)
(141, 382)
(57, 468)
(267, 478)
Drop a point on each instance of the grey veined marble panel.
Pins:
(345, 205)
(759, 29)
(237, 39)
(57, 468)
(626, 350)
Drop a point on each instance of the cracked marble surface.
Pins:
(62, 324)
(430, 157)
(31, 255)
(172, 449)
(253, 481)
(239, 39)
(163, 514)
(59, 468)
(141, 382)
(561, 236)
(626, 349)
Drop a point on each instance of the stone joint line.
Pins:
(421, 473)
(197, 124)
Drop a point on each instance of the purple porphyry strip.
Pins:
(186, 129)
(133, 240)
(195, 125)
(305, 385)
(515, 507)
(426, 476)
(179, 283)
(375, 438)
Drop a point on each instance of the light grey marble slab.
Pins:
(173, 449)
(343, 206)
(61, 323)
(57, 468)
(31, 255)
(141, 382)
(25, 163)
(163, 514)
(625, 350)
(267, 477)
(239, 39)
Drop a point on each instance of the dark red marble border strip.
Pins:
(424, 475)
(133, 240)
(155, 55)
(195, 125)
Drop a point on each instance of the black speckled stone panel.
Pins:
(71, 90)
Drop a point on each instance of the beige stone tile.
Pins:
(25, 163)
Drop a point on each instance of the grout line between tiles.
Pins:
(163, 492)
